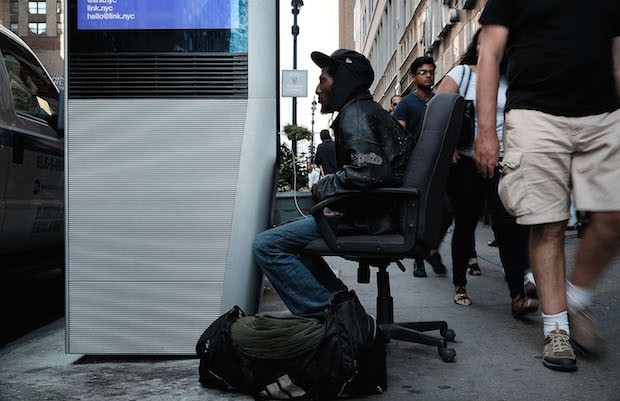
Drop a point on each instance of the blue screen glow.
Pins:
(157, 14)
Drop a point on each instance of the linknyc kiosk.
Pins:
(170, 147)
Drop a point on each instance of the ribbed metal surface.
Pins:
(151, 187)
(152, 75)
(140, 318)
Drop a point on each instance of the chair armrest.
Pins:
(352, 194)
(333, 199)
(330, 235)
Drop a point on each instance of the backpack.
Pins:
(348, 360)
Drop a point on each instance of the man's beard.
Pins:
(426, 87)
(327, 109)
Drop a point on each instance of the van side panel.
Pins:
(31, 153)
(5, 159)
(34, 194)
(6, 118)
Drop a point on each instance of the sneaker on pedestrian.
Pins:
(434, 258)
(558, 353)
(583, 334)
(418, 268)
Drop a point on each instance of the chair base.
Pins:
(412, 332)
(409, 331)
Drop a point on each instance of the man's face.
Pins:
(324, 90)
(425, 76)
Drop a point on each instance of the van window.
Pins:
(33, 92)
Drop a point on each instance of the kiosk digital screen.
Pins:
(143, 26)
(157, 14)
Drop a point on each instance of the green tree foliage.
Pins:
(285, 181)
(296, 132)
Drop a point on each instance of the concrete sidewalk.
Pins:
(498, 357)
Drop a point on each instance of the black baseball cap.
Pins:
(354, 62)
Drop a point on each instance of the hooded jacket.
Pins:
(372, 150)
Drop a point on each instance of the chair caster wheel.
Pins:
(448, 334)
(447, 354)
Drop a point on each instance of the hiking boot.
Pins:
(558, 353)
(434, 258)
(583, 334)
(418, 268)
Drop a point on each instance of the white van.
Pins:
(31, 154)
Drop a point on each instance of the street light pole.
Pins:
(296, 4)
(313, 108)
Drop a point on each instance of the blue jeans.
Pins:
(305, 283)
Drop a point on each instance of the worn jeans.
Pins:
(305, 283)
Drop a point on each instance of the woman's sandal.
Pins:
(474, 269)
(460, 297)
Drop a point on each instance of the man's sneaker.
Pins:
(434, 258)
(557, 353)
(583, 334)
(418, 268)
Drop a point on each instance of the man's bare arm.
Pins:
(486, 146)
(616, 55)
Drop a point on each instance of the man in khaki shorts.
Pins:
(562, 133)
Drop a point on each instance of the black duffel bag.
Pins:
(348, 357)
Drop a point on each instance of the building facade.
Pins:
(392, 33)
(40, 24)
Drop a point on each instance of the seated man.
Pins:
(372, 150)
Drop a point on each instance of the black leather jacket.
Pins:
(372, 150)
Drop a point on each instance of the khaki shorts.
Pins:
(547, 156)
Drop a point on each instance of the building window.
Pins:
(14, 7)
(14, 27)
(37, 7)
(58, 7)
(37, 28)
(59, 28)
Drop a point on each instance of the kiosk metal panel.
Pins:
(170, 151)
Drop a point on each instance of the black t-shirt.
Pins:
(559, 54)
(411, 109)
(326, 156)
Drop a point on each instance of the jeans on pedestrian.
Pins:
(305, 283)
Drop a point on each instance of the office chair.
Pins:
(421, 199)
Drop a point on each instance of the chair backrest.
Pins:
(429, 164)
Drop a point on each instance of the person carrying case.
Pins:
(341, 354)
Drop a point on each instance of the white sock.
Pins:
(553, 322)
(578, 297)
